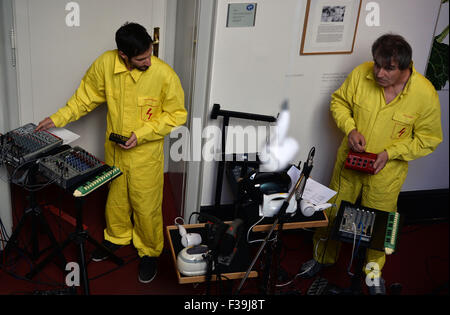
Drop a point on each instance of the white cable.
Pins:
(180, 218)
(259, 240)
(317, 245)
(251, 228)
(297, 275)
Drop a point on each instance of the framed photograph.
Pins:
(330, 26)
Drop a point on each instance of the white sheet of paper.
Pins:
(317, 193)
(67, 135)
(294, 173)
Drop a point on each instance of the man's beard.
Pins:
(143, 68)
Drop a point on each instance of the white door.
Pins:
(56, 42)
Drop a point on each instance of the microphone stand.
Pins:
(307, 167)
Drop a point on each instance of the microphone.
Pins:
(309, 163)
(306, 171)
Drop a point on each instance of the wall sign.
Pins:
(241, 14)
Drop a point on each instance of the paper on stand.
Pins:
(316, 193)
(66, 135)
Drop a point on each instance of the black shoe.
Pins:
(100, 254)
(147, 269)
(310, 268)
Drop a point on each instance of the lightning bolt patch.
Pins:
(149, 114)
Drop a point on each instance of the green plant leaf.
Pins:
(437, 70)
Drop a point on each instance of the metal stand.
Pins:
(34, 213)
(216, 111)
(79, 237)
(355, 283)
(307, 167)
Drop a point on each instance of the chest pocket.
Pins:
(148, 107)
(403, 125)
(361, 114)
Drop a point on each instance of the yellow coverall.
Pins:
(149, 103)
(409, 127)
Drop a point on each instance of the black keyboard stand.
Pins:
(38, 221)
(79, 237)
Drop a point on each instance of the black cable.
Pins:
(329, 225)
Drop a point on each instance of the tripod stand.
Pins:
(79, 237)
(279, 222)
(34, 213)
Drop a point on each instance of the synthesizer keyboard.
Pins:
(99, 180)
(71, 168)
(25, 144)
(392, 227)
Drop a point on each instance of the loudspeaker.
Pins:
(308, 208)
(189, 239)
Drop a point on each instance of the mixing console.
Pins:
(24, 144)
(71, 167)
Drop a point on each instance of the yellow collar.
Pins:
(119, 67)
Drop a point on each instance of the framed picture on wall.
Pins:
(330, 26)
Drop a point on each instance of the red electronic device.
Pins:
(362, 162)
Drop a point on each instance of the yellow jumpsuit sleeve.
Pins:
(173, 114)
(427, 134)
(89, 95)
(341, 105)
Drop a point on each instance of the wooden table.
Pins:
(174, 239)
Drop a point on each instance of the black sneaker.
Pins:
(100, 254)
(147, 269)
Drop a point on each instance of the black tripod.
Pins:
(271, 274)
(34, 214)
(79, 237)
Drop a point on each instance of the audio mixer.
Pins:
(357, 222)
(25, 144)
(370, 227)
(71, 167)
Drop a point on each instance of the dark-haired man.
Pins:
(388, 108)
(145, 102)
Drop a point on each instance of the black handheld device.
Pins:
(118, 138)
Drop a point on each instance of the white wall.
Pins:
(255, 68)
(432, 170)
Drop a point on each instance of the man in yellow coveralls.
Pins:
(145, 102)
(388, 108)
